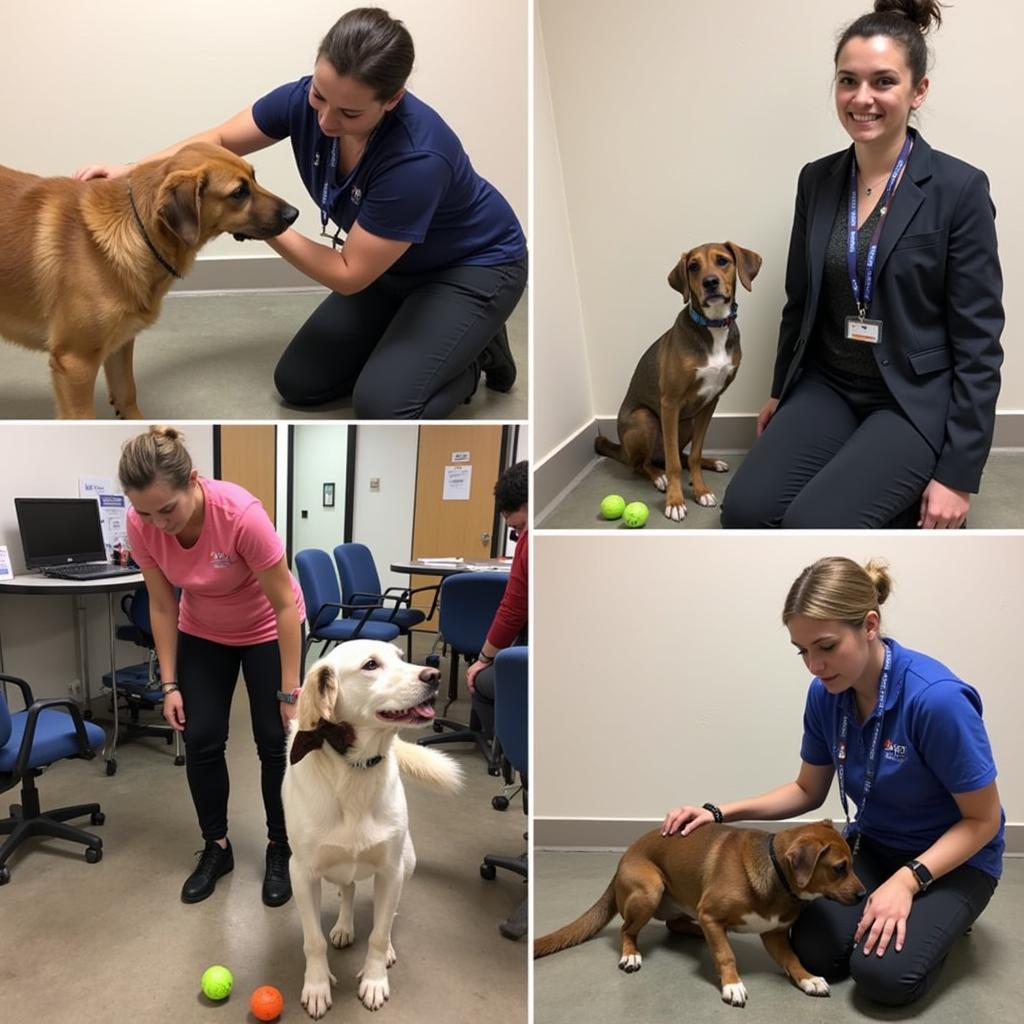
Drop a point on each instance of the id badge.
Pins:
(858, 329)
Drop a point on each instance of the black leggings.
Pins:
(839, 456)
(823, 934)
(207, 673)
(406, 347)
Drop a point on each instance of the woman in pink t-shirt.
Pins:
(241, 610)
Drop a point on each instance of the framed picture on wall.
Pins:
(328, 495)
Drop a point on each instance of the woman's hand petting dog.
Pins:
(685, 819)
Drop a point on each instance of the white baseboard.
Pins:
(242, 273)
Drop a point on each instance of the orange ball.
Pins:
(266, 1003)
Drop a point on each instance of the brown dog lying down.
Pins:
(84, 265)
(717, 879)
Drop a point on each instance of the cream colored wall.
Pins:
(679, 124)
(561, 382)
(115, 80)
(663, 674)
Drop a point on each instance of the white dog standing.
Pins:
(344, 803)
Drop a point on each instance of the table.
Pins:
(77, 590)
(426, 567)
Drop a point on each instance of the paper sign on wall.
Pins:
(460, 456)
(457, 482)
(113, 510)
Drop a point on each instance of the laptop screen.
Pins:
(60, 531)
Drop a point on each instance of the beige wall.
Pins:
(115, 80)
(679, 124)
(663, 674)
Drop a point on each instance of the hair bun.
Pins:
(921, 12)
(170, 433)
(878, 571)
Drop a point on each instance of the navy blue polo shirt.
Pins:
(933, 744)
(414, 183)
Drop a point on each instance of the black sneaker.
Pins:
(213, 862)
(497, 363)
(277, 884)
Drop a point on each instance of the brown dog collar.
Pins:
(339, 735)
(703, 321)
(778, 866)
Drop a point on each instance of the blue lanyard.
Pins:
(851, 235)
(872, 762)
(330, 173)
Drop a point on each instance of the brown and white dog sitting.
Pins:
(679, 379)
(718, 879)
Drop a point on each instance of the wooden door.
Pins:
(247, 455)
(454, 528)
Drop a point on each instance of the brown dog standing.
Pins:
(84, 265)
(716, 879)
(679, 379)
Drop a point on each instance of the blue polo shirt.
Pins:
(933, 744)
(414, 183)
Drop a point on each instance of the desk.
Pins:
(425, 567)
(77, 590)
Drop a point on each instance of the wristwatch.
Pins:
(289, 698)
(921, 873)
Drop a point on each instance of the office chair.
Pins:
(511, 726)
(29, 741)
(360, 585)
(322, 595)
(468, 601)
(138, 686)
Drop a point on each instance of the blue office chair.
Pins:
(29, 741)
(138, 686)
(360, 585)
(511, 726)
(319, 583)
(467, 604)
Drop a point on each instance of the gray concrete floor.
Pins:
(212, 357)
(112, 941)
(999, 505)
(981, 982)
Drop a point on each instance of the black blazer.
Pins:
(938, 293)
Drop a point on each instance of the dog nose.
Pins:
(711, 284)
(431, 676)
(289, 215)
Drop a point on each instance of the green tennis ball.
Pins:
(613, 506)
(217, 982)
(635, 514)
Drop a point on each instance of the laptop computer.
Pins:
(63, 538)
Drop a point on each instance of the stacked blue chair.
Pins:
(30, 740)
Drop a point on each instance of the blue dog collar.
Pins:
(703, 321)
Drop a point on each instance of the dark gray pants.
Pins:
(406, 347)
(822, 937)
(834, 456)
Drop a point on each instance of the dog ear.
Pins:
(828, 823)
(318, 696)
(179, 203)
(748, 263)
(679, 279)
(803, 857)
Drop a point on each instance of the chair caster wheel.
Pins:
(179, 761)
(500, 803)
(93, 854)
(5, 875)
(98, 818)
(111, 767)
(488, 872)
(494, 770)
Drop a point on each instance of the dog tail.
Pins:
(584, 927)
(607, 448)
(431, 767)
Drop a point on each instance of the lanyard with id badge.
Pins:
(871, 766)
(356, 191)
(860, 328)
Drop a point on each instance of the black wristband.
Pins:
(715, 812)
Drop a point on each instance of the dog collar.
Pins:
(368, 763)
(152, 248)
(703, 321)
(778, 867)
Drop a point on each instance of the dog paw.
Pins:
(719, 466)
(677, 513)
(661, 483)
(631, 963)
(707, 500)
(316, 997)
(815, 986)
(735, 995)
(374, 992)
(342, 936)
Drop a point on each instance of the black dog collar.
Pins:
(152, 248)
(703, 321)
(339, 735)
(778, 866)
